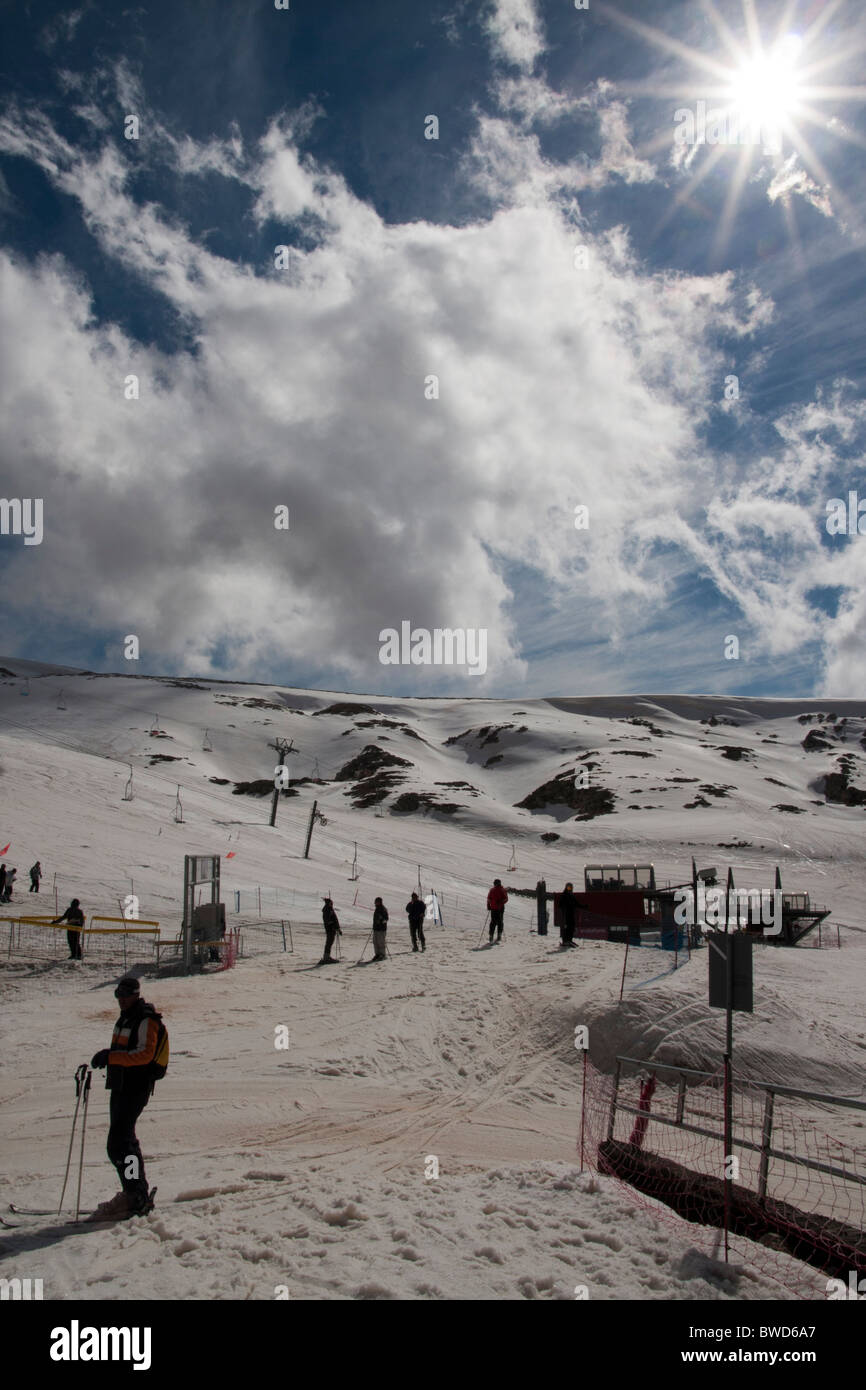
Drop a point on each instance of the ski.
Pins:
(84, 1218)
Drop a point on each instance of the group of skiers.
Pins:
(138, 1054)
(8, 877)
(416, 911)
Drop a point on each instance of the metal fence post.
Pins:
(681, 1100)
(613, 1100)
(766, 1132)
(583, 1109)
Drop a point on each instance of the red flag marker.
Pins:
(3, 851)
(231, 854)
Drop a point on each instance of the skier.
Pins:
(10, 884)
(35, 875)
(75, 918)
(380, 926)
(568, 911)
(496, 900)
(136, 1059)
(416, 911)
(332, 931)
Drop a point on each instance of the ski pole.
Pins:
(79, 1076)
(483, 929)
(86, 1087)
(366, 944)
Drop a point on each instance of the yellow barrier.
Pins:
(120, 929)
(37, 921)
(130, 924)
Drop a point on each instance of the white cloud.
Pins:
(515, 32)
(558, 386)
(790, 178)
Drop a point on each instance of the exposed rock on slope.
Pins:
(837, 785)
(588, 802)
(371, 759)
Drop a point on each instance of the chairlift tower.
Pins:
(284, 748)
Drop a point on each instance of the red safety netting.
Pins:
(795, 1205)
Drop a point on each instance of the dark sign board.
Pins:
(730, 951)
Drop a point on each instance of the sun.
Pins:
(746, 104)
(767, 90)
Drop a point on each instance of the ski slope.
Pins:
(303, 1169)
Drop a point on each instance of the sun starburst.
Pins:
(755, 98)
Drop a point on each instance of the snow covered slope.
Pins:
(305, 1167)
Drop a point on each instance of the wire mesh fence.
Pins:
(796, 1193)
(265, 938)
(105, 940)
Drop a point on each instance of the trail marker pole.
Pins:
(310, 830)
(541, 906)
(624, 964)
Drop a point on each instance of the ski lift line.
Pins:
(214, 794)
(337, 841)
(211, 794)
(253, 738)
(424, 851)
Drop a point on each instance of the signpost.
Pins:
(730, 983)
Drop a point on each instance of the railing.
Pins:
(782, 1181)
(42, 936)
(765, 1148)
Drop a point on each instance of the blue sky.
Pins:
(582, 281)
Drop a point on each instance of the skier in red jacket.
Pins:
(496, 900)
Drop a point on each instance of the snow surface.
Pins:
(304, 1168)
